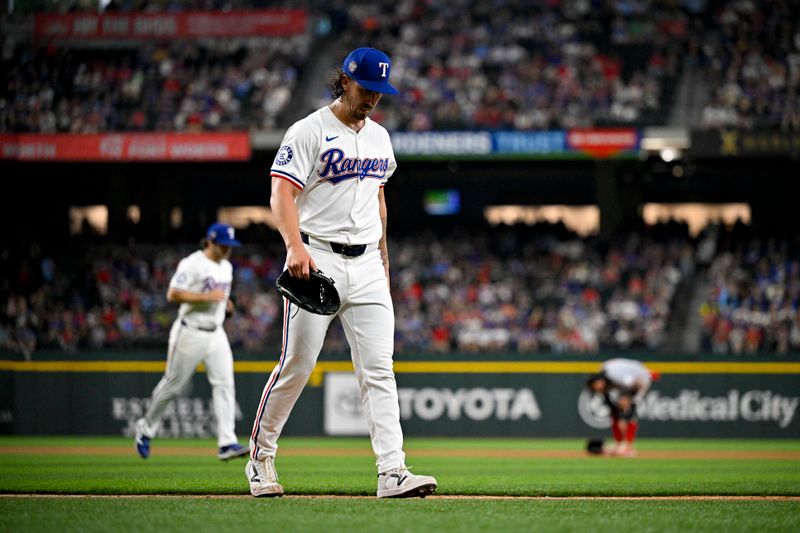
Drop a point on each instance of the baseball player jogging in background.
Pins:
(623, 384)
(328, 200)
(202, 285)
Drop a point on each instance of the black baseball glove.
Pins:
(316, 295)
(594, 446)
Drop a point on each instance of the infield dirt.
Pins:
(171, 451)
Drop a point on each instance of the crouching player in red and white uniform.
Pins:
(623, 384)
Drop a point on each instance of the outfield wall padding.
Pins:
(544, 399)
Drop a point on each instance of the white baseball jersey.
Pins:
(339, 173)
(197, 273)
(195, 337)
(627, 373)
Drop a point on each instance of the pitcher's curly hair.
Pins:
(335, 84)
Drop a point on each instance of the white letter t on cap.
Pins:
(383, 66)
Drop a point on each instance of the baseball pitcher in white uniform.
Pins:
(328, 200)
(202, 287)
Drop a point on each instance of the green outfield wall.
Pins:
(470, 397)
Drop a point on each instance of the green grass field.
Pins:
(536, 474)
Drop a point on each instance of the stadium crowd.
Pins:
(753, 301)
(537, 289)
(752, 57)
(118, 299)
(506, 65)
(513, 291)
(516, 65)
(501, 291)
(216, 85)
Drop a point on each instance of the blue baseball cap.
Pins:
(370, 68)
(222, 234)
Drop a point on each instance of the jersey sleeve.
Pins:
(296, 156)
(392, 162)
(182, 279)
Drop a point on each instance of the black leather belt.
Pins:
(210, 329)
(349, 250)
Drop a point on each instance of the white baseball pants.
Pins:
(367, 316)
(188, 347)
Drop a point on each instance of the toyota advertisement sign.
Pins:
(559, 406)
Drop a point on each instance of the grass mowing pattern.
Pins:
(121, 471)
(354, 474)
(196, 515)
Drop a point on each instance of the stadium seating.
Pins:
(753, 297)
(517, 65)
(508, 291)
(217, 85)
(751, 54)
(507, 65)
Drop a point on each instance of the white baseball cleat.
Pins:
(263, 478)
(401, 483)
(625, 450)
(612, 449)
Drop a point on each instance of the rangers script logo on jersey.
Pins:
(339, 168)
